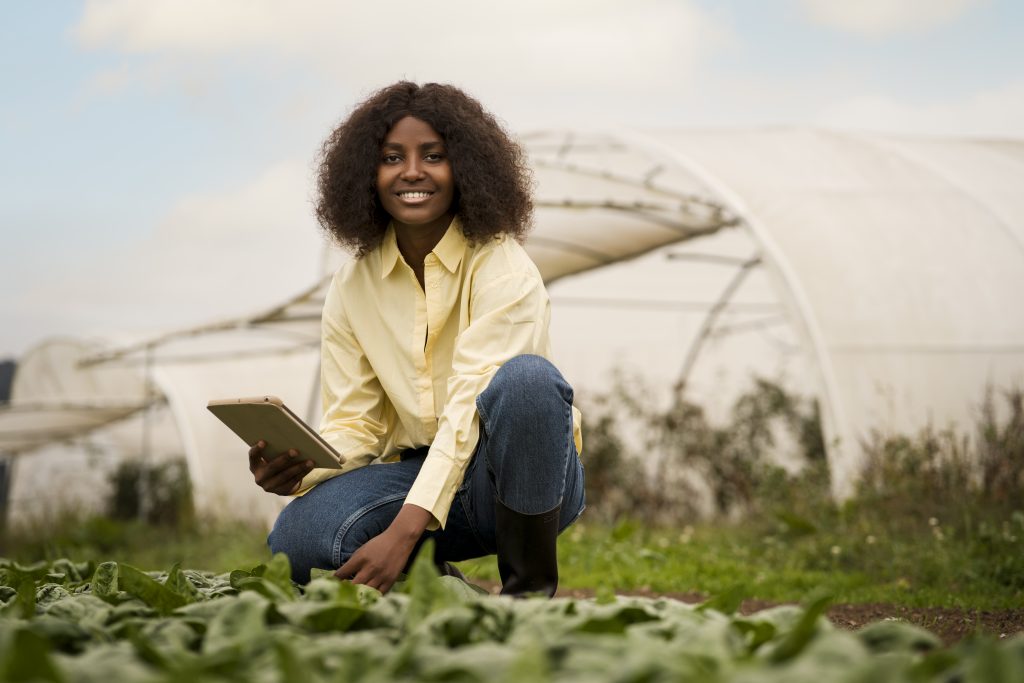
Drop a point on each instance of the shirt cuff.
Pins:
(318, 475)
(435, 487)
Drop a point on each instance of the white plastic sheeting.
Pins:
(896, 262)
(900, 259)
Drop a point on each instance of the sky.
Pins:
(157, 156)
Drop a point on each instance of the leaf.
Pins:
(28, 659)
(726, 602)
(614, 619)
(158, 596)
(278, 572)
(62, 634)
(317, 573)
(894, 636)
(24, 604)
(49, 593)
(75, 572)
(987, 662)
(88, 611)
(268, 589)
(462, 589)
(755, 633)
(796, 639)
(426, 593)
(179, 583)
(241, 620)
(320, 617)
(104, 581)
(289, 664)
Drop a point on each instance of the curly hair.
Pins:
(492, 179)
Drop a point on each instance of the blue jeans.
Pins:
(526, 458)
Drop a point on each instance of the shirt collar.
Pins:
(389, 254)
(449, 250)
(452, 246)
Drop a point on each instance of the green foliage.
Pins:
(114, 622)
(682, 457)
(160, 493)
(213, 545)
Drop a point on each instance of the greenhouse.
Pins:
(886, 268)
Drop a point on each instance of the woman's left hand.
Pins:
(381, 559)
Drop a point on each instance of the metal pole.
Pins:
(709, 320)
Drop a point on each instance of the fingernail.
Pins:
(261, 443)
(309, 464)
(292, 452)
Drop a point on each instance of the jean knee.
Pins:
(363, 525)
(286, 537)
(531, 375)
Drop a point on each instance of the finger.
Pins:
(269, 479)
(282, 461)
(365, 577)
(280, 464)
(288, 488)
(348, 570)
(256, 452)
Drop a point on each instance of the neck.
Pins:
(416, 241)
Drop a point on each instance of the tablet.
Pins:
(267, 418)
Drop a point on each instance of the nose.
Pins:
(412, 169)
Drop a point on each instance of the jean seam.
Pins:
(347, 525)
(582, 477)
(470, 522)
(484, 426)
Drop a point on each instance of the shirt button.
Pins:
(435, 285)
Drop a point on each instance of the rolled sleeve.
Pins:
(508, 317)
(351, 395)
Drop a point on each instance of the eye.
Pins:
(390, 158)
(435, 157)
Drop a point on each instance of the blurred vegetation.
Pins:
(150, 518)
(684, 467)
(158, 493)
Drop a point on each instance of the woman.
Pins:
(434, 346)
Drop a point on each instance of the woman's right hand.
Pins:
(281, 475)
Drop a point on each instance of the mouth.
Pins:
(414, 196)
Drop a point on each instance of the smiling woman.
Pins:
(491, 191)
(434, 358)
(415, 186)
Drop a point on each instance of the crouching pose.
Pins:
(435, 381)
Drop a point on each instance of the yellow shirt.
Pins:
(402, 365)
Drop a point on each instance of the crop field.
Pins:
(920, 577)
(80, 622)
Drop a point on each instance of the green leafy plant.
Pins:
(79, 622)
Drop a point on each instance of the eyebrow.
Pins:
(426, 145)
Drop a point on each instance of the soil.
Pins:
(949, 623)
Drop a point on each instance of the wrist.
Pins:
(410, 523)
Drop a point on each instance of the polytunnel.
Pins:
(894, 260)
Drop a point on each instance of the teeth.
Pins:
(413, 195)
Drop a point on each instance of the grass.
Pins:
(933, 570)
(218, 547)
(856, 555)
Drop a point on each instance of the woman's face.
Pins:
(414, 177)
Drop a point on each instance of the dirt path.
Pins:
(949, 623)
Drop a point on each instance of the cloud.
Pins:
(214, 255)
(874, 18)
(998, 112)
(530, 44)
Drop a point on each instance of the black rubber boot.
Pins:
(449, 569)
(527, 561)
